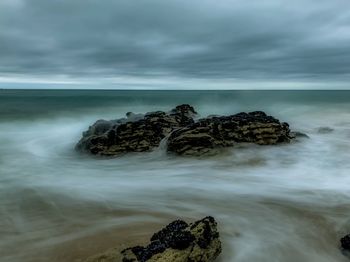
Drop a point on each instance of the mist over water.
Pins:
(281, 203)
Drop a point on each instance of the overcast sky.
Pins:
(175, 43)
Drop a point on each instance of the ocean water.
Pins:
(282, 203)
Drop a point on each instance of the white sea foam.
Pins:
(274, 203)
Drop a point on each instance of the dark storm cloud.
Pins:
(272, 39)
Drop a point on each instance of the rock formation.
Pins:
(212, 133)
(138, 132)
(179, 242)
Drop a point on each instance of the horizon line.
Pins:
(170, 89)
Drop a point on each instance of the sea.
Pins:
(281, 203)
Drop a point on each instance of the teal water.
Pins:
(16, 104)
(281, 203)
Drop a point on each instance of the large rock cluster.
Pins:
(177, 242)
(138, 133)
(135, 133)
(212, 133)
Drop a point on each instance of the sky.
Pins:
(175, 44)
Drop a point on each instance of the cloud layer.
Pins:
(301, 40)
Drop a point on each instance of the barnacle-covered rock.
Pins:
(179, 242)
(209, 134)
(135, 133)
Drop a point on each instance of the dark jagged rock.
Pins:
(345, 242)
(136, 133)
(143, 132)
(212, 133)
(179, 242)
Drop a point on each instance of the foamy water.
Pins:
(282, 203)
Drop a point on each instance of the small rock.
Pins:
(325, 130)
(179, 242)
(297, 134)
(345, 242)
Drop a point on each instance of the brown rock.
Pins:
(177, 242)
(136, 133)
(207, 135)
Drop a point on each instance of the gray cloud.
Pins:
(273, 39)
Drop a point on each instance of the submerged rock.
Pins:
(325, 130)
(298, 134)
(207, 135)
(135, 133)
(179, 242)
